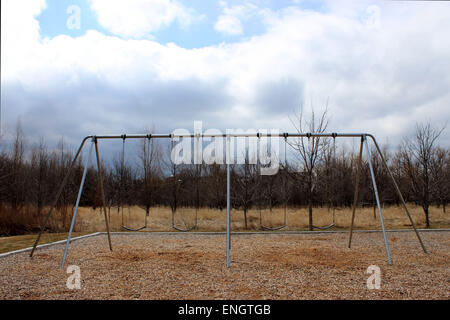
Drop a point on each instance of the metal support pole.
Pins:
(355, 199)
(228, 159)
(399, 194)
(100, 183)
(88, 161)
(372, 174)
(55, 201)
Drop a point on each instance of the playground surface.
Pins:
(263, 266)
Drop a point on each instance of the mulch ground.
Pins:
(265, 266)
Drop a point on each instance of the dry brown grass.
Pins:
(297, 218)
(20, 242)
(27, 219)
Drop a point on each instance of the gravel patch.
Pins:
(264, 266)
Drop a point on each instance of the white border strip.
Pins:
(49, 244)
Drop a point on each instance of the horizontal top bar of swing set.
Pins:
(225, 135)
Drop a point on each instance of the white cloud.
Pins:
(139, 18)
(229, 22)
(373, 16)
(380, 80)
(19, 33)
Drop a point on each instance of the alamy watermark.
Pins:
(74, 280)
(374, 280)
(74, 19)
(236, 146)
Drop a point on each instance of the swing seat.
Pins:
(121, 178)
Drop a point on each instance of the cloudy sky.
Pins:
(127, 65)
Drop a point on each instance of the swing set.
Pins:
(333, 200)
(94, 143)
(177, 184)
(286, 195)
(122, 185)
(174, 207)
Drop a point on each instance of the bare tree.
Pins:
(310, 150)
(245, 182)
(17, 170)
(63, 158)
(217, 181)
(150, 158)
(172, 183)
(440, 176)
(417, 155)
(39, 170)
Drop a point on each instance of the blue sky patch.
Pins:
(200, 33)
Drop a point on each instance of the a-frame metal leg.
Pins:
(55, 201)
(399, 194)
(100, 183)
(355, 199)
(80, 191)
(372, 174)
(228, 201)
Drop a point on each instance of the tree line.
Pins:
(315, 174)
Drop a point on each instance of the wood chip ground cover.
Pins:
(265, 266)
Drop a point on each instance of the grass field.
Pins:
(160, 218)
(20, 242)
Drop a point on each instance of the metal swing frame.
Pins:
(284, 225)
(174, 226)
(94, 139)
(122, 167)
